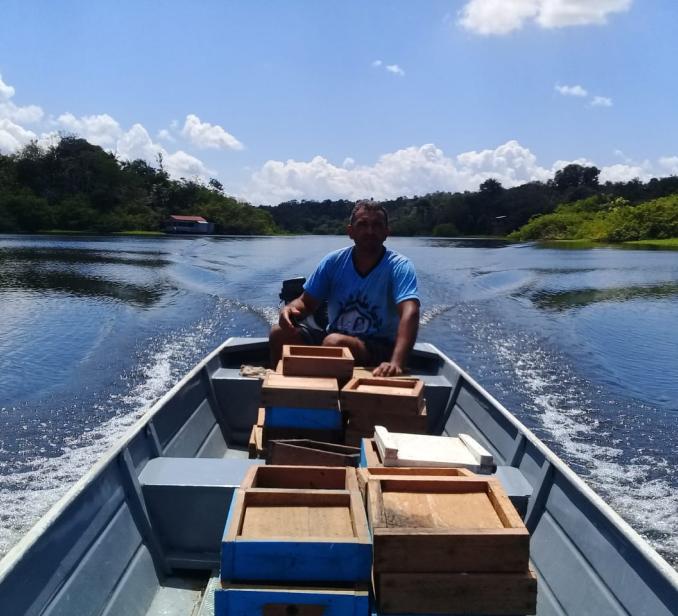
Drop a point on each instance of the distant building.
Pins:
(188, 224)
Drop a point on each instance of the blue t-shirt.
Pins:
(363, 306)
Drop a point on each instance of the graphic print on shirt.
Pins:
(357, 317)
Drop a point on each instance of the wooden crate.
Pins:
(383, 394)
(364, 421)
(445, 525)
(300, 360)
(302, 536)
(456, 593)
(300, 478)
(299, 391)
(272, 600)
(364, 474)
(306, 452)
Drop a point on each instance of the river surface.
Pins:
(582, 345)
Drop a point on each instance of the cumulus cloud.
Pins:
(496, 17)
(601, 101)
(395, 69)
(100, 130)
(418, 170)
(409, 171)
(12, 136)
(576, 90)
(137, 143)
(206, 135)
(669, 164)
(15, 113)
(391, 68)
(625, 173)
(165, 135)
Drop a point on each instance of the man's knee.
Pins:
(335, 340)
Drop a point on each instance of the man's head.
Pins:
(368, 226)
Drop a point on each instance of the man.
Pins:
(373, 303)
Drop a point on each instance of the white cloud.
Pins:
(601, 101)
(489, 17)
(205, 135)
(625, 173)
(137, 143)
(391, 68)
(561, 13)
(410, 171)
(418, 170)
(165, 135)
(100, 130)
(670, 164)
(395, 69)
(6, 91)
(13, 137)
(10, 111)
(575, 90)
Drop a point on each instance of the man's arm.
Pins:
(296, 310)
(408, 312)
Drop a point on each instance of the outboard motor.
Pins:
(293, 288)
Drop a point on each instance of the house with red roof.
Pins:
(188, 224)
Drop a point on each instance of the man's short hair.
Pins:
(370, 206)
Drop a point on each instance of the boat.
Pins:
(140, 533)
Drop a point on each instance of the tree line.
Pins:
(492, 210)
(76, 186)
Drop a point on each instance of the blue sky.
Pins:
(282, 100)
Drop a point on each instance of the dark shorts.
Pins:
(379, 349)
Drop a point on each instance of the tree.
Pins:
(574, 176)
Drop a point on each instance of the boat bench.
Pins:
(187, 500)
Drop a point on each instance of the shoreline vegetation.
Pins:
(74, 187)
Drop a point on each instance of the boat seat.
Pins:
(187, 500)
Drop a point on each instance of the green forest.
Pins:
(74, 186)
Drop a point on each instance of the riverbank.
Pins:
(664, 244)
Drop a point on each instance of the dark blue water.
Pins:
(581, 345)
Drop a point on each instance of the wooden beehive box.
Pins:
(271, 432)
(299, 392)
(457, 593)
(319, 361)
(382, 394)
(300, 478)
(278, 600)
(307, 452)
(445, 525)
(304, 536)
(362, 423)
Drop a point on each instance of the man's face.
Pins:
(368, 230)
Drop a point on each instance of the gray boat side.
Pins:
(136, 534)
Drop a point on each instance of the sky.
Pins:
(350, 99)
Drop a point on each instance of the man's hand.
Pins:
(290, 315)
(387, 368)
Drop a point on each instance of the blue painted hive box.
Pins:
(301, 402)
(304, 536)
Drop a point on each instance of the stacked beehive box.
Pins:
(447, 544)
(296, 542)
(297, 407)
(396, 403)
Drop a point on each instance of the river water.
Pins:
(582, 345)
